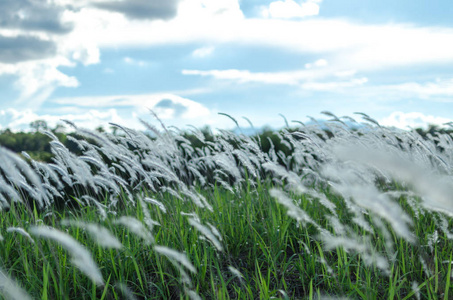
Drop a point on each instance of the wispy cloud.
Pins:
(167, 105)
(37, 80)
(135, 62)
(18, 120)
(438, 90)
(345, 43)
(203, 51)
(334, 85)
(412, 120)
(314, 77)
(434, 90)
(317, 64)
(91, 112)
(288, 9)
(108, 71)
(246, 76)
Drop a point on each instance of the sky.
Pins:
(95, 62)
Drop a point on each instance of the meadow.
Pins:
(349, 209)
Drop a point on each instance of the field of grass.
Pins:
(359, 212)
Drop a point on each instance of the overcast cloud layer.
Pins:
(190, 59)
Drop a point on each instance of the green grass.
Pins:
(276, 258)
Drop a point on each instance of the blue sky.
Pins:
(100, 61)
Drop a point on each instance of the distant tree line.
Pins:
(34, 142)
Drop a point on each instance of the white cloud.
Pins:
(126, 110)
(19, 120)
(315, 77)
(412, 120)
(108, 71)
(208, 9)
(317, 64)
(288, 9)
(135, 62)
(341, 42)
(87, 54)
(172, 109)
(15, 120)
(37, 80)
(245, 76)
(334, 85)
(203, 51)
(142, 103)
(438, 88)
(346, 73)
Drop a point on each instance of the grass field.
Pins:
(359, 212)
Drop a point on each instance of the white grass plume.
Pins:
(159, 204)
(101, 207)
(10, 191)
(350, 184)
(147, 216)
(416, 289)
(20, 174)
(369, 255)
(175, 256)
(293, 211)
(442, 223)
(136, 227)
(80, 256)
(236, 273)
(369, 198)
(207, 233)
(215, 231)
(21, 231)
(100, 234)
(192, 294)
(126, 291)
(293, 179)
(10, 289)
(436, 189)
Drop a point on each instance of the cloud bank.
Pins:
(316, 76)
(91, 112)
